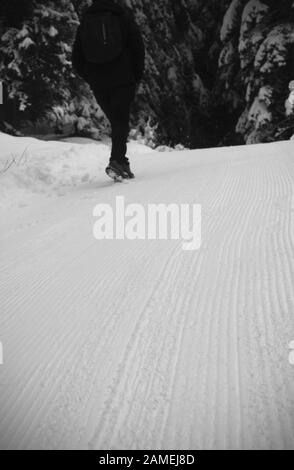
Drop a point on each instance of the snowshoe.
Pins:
(127, 171)
(114, 175)
(119, 172)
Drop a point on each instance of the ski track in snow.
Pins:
(140, 345)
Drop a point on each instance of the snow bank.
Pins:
(29, 165)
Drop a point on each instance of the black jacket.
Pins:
(128, 68)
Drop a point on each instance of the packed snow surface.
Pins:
(139, 344)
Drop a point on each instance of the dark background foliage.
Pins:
(217, 72)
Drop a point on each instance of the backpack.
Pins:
(101, 36)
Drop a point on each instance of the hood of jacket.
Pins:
(105, 5)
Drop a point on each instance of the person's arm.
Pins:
(137, 48)
(78, 60)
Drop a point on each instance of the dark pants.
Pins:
(116, 104)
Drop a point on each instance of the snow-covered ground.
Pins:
(139, 344)
(30, 166)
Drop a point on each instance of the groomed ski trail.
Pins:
(138, 344)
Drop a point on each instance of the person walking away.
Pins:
(109, 54)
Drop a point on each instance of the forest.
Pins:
(218, 72)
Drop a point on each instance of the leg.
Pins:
(120, 105)
(103, 99)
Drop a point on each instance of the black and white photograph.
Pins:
(146, 228)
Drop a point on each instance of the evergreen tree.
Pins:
(35, 65)
(256, 66)
(217, 71)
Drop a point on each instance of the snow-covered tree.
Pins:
(35, 65)
(290, 100)
(217, 72)
(256, 64)
(173, 95)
